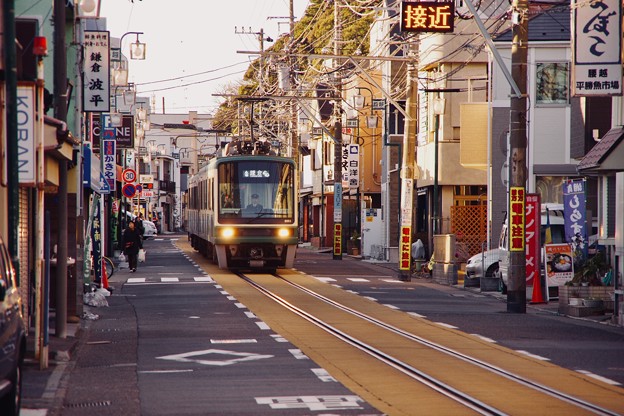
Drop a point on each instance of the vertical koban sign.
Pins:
(597, 48)
(26, 154)
(96, 67)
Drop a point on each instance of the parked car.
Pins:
(149, 229)
(557, 230)
(12, 337)
(487, 260)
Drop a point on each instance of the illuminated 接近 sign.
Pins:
(427, 16)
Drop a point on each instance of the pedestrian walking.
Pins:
(131, 243)
(138, 224)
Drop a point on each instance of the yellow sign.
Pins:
(516, 220)
(337, 239)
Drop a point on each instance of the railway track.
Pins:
(453, 373)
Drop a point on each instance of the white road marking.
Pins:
(238, 357)
(537, 357)
(263, 326)
(203, 279)
(279, 338)
(233, 341)
(391, 306)
(250, 314)
(597, 377)
(33, 412)
(486, 339)
(136, 280)
(417, 315)
(165, 371)
(357, 279)
(169, 279)
(312, 403)
(298, 354)
(446, 325)
(323, 375)
(324, 279)
(240, 305)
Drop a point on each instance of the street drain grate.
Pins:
(87, 405)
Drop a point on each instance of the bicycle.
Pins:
(109, 265)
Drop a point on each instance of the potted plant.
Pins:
(589, 271)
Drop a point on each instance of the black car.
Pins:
(12, 337)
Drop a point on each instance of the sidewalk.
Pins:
(40, 386)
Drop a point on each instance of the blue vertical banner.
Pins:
(96, 237)
(574, 211)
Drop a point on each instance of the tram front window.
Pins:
(256, 189)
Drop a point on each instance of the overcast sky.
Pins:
(193, 44)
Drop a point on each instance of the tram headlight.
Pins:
(227, 232)
(283, 232)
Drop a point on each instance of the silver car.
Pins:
(12, 337)
(486, 261)
(149, 229)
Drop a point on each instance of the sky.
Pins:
(193, 44)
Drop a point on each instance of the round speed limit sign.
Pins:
(129, 175)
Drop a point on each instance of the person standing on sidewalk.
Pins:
(131, 242)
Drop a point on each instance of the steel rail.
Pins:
(431, 382)
(472, 360)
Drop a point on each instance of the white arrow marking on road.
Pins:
(242, 356)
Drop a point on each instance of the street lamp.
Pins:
(87, 9)
(359, 102)
(137, 49)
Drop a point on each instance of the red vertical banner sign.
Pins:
(405, 247)
(532, 237)
(516, 219)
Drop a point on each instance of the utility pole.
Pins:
(407, 170)
(10, 60)
(60, 112)
(261, 40)
(337, 136)
(294, 138)
(516, 287)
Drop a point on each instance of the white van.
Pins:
(557, 229)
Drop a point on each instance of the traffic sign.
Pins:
(128, 190)
(104, 186)
(129, 175)
(139, 188)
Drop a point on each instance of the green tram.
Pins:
(242, 209)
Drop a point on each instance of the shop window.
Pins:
(552, 83)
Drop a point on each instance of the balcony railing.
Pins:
(167, 186)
